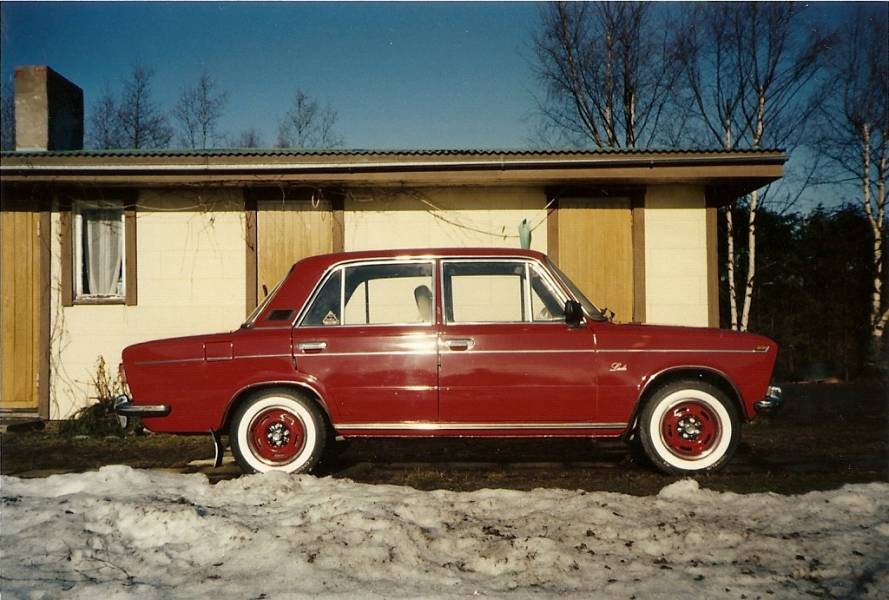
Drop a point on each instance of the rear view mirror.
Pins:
(573, 313)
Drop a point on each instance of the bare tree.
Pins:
(856, 126)
(198, 112)
(7, 116)
(248, 138)
(607, 68)
(143, 124)
(307, 124)
(104, 123)
(747, 69)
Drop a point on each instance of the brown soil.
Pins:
(827, 435)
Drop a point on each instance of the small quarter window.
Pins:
(325, 309)
(546, 305)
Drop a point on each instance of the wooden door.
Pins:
(596, 251)
(287, 231)
(24, 290)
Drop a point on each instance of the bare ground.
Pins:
(827, 435)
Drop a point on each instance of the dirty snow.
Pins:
(125, 533)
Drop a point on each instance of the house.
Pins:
(102, 249)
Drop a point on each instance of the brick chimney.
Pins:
(48, 110)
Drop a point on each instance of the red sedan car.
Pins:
(452, 342)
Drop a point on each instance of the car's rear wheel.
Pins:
(689, 427)
(278, 430)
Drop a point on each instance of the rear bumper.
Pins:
(773, 401)
(124, 407)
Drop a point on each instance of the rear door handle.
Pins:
(460, 344)
(311, 347)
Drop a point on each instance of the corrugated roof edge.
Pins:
(250, 152)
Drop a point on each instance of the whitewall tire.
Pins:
(689, 426)
(278, 429)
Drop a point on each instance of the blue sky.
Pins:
(399, 74)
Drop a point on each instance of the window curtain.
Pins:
(103, 258)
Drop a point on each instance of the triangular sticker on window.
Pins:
(330, 319)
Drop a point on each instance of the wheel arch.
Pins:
(245, 392)
(666, 376)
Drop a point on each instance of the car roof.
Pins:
(427, 253)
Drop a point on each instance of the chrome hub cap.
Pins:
(277, 435)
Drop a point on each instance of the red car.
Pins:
(452, 342)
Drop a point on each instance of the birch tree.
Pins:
(746, 72)
(856, 119)
(308, 124)
(198, 112)
(607, 71)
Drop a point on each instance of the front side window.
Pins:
(99, 250)
(375, 294)
(499, 291)
(485, 291)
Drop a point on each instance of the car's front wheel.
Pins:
(689, 427)
(278, 430)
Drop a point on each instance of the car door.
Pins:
(368, 339)
(508, 360)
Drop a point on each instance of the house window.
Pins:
(99, 251)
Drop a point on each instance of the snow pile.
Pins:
(123, 533)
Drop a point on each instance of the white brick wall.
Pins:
(374, 221)
(676, 255)
(190, 252)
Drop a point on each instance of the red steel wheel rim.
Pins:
(690, 429)
(276, 435)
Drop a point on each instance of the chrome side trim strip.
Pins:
(169, 361)
(567, 351)
(263, 355)
(395, 353)
(421, 426)
(675, 350)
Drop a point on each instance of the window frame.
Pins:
(69, 208)
(526, 289)
(77, 212)
(341, 267)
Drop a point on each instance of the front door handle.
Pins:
(460, 344)
(311, 347)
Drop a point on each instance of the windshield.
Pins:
(588, 306)
(265, 302)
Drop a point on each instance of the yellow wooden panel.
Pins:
(19, 288)
(287, 232)
(596, 251)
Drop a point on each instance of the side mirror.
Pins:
(573, 313)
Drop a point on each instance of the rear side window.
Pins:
(375, 294)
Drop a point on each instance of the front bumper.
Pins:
(773, 401)
(124, 407)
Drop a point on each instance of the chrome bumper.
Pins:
(124, 407)
(772, 402)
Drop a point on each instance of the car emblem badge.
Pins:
(618, 366)
(330, 319)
